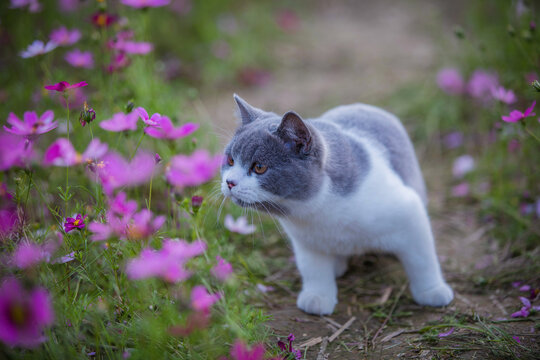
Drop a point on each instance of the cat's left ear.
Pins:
(246, 112)
(294, 133)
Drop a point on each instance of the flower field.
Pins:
(115, 241)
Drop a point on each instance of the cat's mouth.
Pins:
(265, 206)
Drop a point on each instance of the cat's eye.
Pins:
(230, 160)
(259, 168)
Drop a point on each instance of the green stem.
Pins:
(67, 167)
(150, 193)
(91, 132)
(137, 147)
(531, 133)
(29, 186)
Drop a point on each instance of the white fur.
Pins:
(383, 214)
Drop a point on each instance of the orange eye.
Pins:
(230, 160)
(259, 168)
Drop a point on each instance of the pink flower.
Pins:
(525, 309)
(68, 5)
(222, 270)
(481, 83)
(14, 151)
(23, 314)
(31, 126)
(240, 351)
(143, 225)
(138, 4)
(62, 153)
(64, 259)
(460, 190)
(134, 47)
(29, 254)
(240, 226)
(165, 129)
(121, 206)
(450, 81)
(516, 115)
(448, 333)
(33, 5)
(77, 58)
(8, 221)
(167, 263)
(453, 140)
(118, 62)
(64, 86)
(75, 223)
(193, 170)
(201, 300)
(37, 48)
(463, 165)
(102, 19)
(64, 37)
(151, 121)
(121, 122)
(115, 171)
(503, 95)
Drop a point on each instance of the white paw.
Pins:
(317, 304)
(340, 267)
(440, 295)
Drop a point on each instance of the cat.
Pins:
(341, 184)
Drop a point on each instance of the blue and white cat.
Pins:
(341, 184)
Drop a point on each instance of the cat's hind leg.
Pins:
(341, 264)
(414, 246)
(319, 289)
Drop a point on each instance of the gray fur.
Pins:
(295, 171)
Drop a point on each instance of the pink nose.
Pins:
(230, 184)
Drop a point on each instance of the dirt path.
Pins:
(363, 52)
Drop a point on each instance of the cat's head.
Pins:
(271, 161)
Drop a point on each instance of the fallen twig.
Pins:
(392, 335)
(333, 322)
(389, 314)
(311, 342)
(321, 355)
(341, 329)
(385, 296)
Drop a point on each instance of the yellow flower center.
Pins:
(77, 222)
(101, 20)
(17, 314)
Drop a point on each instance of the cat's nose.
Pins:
(231, 184)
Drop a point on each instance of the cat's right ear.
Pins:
(245, 112)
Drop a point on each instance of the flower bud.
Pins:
(536, 85)
(87, 115)
(157, 158)
(129, 106)
(196, 202)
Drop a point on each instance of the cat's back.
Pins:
(383, 130)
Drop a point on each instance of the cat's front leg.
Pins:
(319, 289)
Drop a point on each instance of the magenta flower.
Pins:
(463, 165)
(447, 333)
(23, 314)
(116, 172)
(75, 223)
(143, 224)
(167, 263)
(102, 19)
(164, 129)
(64, 86)
(8, 221)
(503, 95)
(516, 115)
(222, 270)
(481, 83)
(460, 190)
(121, 122)
(119, 61)
(240, 351)
(201, 300)
(239, 225)
(121, 206)
(29, 254)
(14, 151)
(82, 59)
(37, 48)
(134, 47)
(64, 37)
(33, 5)
(62, 153)
(525, 309)
(193, 170)
(290, 350)
(151, 121)
(138, 4)
(31, 126)
(450, 81)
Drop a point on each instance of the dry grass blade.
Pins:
(321, 355)
(341, 329)
(311, 342)
(389, 314)
(392, 335)
(332, 321)
(385, 296)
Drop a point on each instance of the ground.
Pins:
(363, 52)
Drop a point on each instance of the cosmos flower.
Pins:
(38, 48)
(290, 350)
(481, 83)
(167, 263)
(450, 81)
(151, 121)
(82, 59)
(463, 165)
(138, 4)
(241, 351)
(23, 314)
(201, 300)
(114, 171)
(525, 309)
(143, 224)
(64, 37)
(75, 223)
(101, 19)
(164, 129)
(501, 94)
(14, 151)
(222, 270)
(120, 122)
(28, 254)
(453, 140)
(62, 153)
(119, 61)
(64, 86)
(239, 225)
(194, 169)
(8, 221)
(121, 206)
(516, 115)
(134, 47)
(33, 5)
(31, 126)
(460, 190)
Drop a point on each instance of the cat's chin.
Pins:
(264, 206)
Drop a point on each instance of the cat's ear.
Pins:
(245, 112)
(294, 133)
